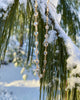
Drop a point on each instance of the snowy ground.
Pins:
(12, 87)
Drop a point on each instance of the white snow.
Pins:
(52, 36)
(73, 51)
(5, 3)
(72, 82)
(5, 95)
(79, 14)
(11, 81)
(52, 7)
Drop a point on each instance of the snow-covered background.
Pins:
(13, 87)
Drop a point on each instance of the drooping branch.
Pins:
(54, 19)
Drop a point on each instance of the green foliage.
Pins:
(69, 17)
(6, 28)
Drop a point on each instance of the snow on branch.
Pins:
(54, 18)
